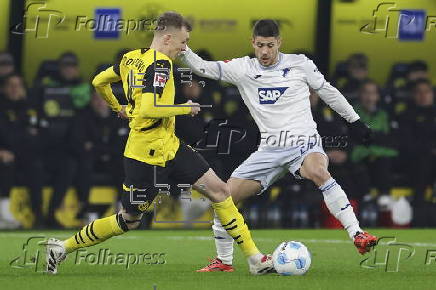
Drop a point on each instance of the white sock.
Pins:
(193, 208)
(340, 207)
(223, 242)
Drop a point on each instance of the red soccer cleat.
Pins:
(364, 242)
(216, 265)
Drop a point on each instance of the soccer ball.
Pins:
(291, 258)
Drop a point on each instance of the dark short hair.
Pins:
(357, 60)
(417, 65)
(172, 19)
(266, 28)
(68, 58)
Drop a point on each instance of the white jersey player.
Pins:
(275, 88)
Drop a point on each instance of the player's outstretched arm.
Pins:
(102, 82)
(329, 94)
(228, 71)
(359, 131)
(152, 107)
(152, 104)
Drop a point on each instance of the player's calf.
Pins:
(315, 168)
(212, 187)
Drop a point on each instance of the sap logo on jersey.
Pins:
(270, 95)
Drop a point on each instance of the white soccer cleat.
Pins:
(55, 255)
(263, 266)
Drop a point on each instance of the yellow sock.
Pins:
(233, 222)
(94, 233)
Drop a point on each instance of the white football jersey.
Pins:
(276, 96)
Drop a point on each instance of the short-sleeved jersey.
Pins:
(147, 73)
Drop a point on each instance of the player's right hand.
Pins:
(360, 132)
(195, 109)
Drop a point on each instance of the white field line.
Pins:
(320, 241)
(208, 238)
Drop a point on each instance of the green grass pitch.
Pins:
(335, 264)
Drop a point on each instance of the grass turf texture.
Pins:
(335, 263)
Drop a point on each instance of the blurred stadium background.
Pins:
(61, 147)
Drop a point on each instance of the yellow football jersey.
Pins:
(148, 83)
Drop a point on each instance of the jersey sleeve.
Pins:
(229, 71)
(156, 77)
(329, 94)
(102, 82)
(315, 79)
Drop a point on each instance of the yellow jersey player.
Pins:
(153, 152)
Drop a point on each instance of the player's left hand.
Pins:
(360, 132)
(122, 113)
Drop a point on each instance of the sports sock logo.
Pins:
(345, 207)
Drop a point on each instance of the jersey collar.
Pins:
(272, 66)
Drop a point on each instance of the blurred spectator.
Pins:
(7, 65)
(418, 149)
(356, 72)
(417, 70)
(20, 161)
(399, 98)
(110, 136)
(376, 159)
(101, 137)
(60, 98)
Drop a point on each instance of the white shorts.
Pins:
(269, 164)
